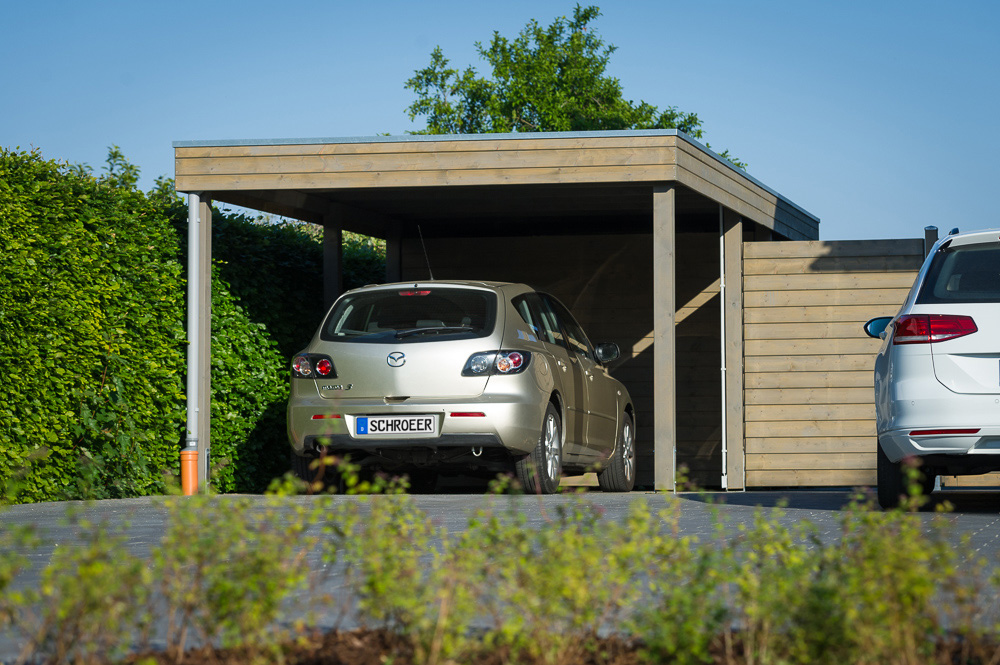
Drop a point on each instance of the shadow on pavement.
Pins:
(962, 501)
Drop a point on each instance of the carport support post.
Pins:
(664, 338)
(199, 333)
(394, 253)
(333, 258)
(732, 307)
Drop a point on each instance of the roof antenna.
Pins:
(426, 258)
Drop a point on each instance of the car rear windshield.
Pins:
(411, 315)
(963, 274)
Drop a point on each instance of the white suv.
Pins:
(937, 375)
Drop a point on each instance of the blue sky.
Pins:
(879, 117)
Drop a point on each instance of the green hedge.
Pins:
(91, 327)
(249, 393)
(92, 339)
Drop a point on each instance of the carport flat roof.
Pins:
(396, 176)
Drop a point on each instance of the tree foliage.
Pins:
(547, 79)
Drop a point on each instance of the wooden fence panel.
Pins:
(809, 401)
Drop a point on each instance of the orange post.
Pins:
(189, 471)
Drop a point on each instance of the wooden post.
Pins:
(664, 338)
(205, 353)
(394, 253)
(333, 257)
(736, 449)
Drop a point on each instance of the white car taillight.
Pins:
(930, 328)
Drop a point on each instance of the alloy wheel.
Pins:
(552, 447)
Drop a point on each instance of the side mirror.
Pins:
(607, 351)
(877, 326)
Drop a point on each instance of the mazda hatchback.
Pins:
(937, 375)
(461, 377)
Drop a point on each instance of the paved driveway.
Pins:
(975, 512)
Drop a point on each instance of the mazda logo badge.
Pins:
(396, 359)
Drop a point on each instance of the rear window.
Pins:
(963, 274)
(409, 315)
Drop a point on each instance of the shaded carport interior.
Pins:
(629, 229)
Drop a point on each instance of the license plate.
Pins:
(408, 426)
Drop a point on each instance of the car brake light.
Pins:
(930, 328)
(313, 366)
(507, 363)
(487, 363)
(414, 293)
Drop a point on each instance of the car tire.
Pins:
(618, 474)
(890, 480)
(539, 471)
(300, 467)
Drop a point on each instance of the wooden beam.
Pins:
(732, 229)
(664, 337)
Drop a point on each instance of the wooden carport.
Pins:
(640, 232)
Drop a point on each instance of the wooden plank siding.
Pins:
(326, 167)
(809, 400)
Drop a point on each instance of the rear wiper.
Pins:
(408, 332)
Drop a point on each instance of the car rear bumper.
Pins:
(918, 416)
(927, 441)
(505, 423)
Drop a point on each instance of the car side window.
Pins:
(530, 314)
(576, 339)
(550, 323)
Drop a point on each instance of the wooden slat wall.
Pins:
(809, 401)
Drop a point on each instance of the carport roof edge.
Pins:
(423, 138)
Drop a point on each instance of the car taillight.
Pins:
(313, 366)
(415, 293)
(487, 363)
(930, 328)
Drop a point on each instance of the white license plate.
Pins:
(403, 426)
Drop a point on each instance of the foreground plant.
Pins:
(569, 586)
(91, 603)
(226, 567)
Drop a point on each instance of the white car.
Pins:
(937, 375)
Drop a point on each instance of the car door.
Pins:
(596, 403)
(569, 377)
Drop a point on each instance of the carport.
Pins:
(640, 233)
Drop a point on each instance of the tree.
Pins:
(546, 79)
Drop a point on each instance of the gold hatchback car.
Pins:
(470, 378)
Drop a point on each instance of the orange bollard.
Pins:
(189, 471)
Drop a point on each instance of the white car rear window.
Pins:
(963, 274)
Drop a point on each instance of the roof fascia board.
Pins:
(436, 138)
